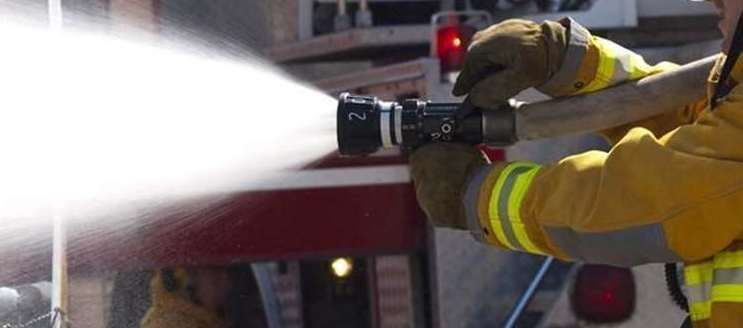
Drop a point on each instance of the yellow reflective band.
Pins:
(504, 207)
(520, 188)
(639, 68)
(700, 310)
(616, 65)
(715, 281)
(605, 69)
(698, 273)
(727, 293)
(635, 70)
(495, 222)
(729, 260)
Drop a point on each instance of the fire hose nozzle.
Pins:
(367, 124)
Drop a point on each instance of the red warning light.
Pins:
(603, 294)
(451, 45)
(456, 42)
(607, 297)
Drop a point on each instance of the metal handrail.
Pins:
(528, 293)
(269, 297)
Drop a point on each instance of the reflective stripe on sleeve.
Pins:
(728, 260)
(616, 65)
(717, 280)
(498, 227)
(505, 205)
(593, 63)
(624, 247)
(698, 273)
(698, 278)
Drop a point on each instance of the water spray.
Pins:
(366, 124)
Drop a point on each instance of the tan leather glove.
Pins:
(509, 57)
(440, 172)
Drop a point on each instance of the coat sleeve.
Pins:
(650, 199)
(714, 289)
(570, 208)
(592, 63)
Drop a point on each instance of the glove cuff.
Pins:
(566, 79)
(471, 200)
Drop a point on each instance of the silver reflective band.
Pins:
(398, 125)
(628, 247)
(384, 124)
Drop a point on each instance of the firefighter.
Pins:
(669, 190)
(187, 299)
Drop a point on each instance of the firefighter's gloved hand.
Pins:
(509, 57)
(440, 172)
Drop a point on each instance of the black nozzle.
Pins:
(358, 125)
(366, 124)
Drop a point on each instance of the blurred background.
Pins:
(329, 253)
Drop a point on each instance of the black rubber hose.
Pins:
(674, 287)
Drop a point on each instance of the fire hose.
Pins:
(366, 124)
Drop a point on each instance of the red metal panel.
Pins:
(284, 225)
(222, 230)
(218, 230)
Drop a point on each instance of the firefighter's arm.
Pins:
(650, 199)
(558, 58)
(592, 63)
